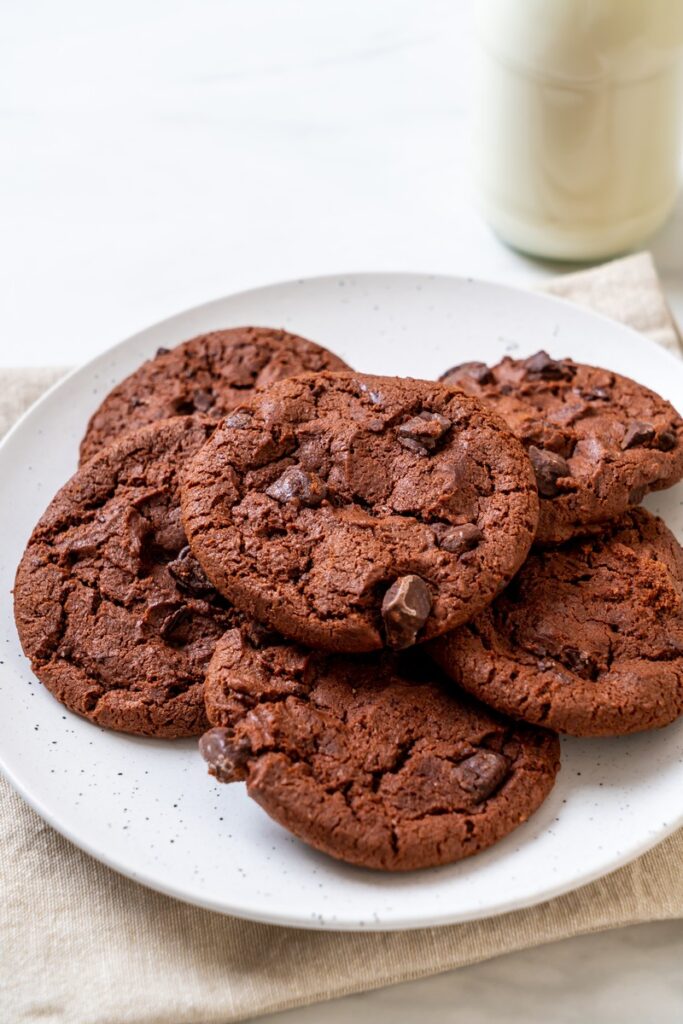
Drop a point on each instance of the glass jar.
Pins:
(579, 121)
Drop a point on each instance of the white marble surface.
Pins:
(158, 153)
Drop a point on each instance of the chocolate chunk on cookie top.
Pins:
(112, 608)
(209, 374)
(405, 609)
(598, 442)
(352, 512)
(373, 760)
(587, 639)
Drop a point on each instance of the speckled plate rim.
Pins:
(575, 752)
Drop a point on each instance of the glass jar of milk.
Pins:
(579, 121)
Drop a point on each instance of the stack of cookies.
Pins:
(376, 600)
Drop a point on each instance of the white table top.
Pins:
(159, 153)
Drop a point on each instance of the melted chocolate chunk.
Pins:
(541, 367)
(405, 609)
(458, 538)
(423, 432)
(162, 618)
(666, 441)
(226, 758)
(161, 351)
(296, 484)
(637, 433)
(479, 372)
(596, 395)
(482, 773)
(189, 575)
(548, 467)
(173, 623)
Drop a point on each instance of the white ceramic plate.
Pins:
(148, 809)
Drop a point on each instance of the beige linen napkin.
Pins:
(80, 944)
(627, 290)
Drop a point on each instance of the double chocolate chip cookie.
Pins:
(587, 639)
(209, 375)
(598, 441)
(368, 758)
(113, 610)
(351, 512)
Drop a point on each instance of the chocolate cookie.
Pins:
(587, 639)
(372, 760)
(116, 615)
(209, 375)
(349, 512)
(598, 441)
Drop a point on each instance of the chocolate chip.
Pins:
(548, 467)
(637, 433)
(405, 609)
(666, 440)
(161, 351)
(189, 575)
(226, 758)
(174, 621)
(482, 773)
(296, 484)
(423, 432)
(596, 395)
(162, 618)
(203, 400)
(458, 538)
(479, 372)
(541, 367)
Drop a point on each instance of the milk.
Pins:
(579, 121)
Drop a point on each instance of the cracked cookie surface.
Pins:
(372, 759)
(349, 511)
(598, 441)
(208, 375)
(116, 615)
(588, 637)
